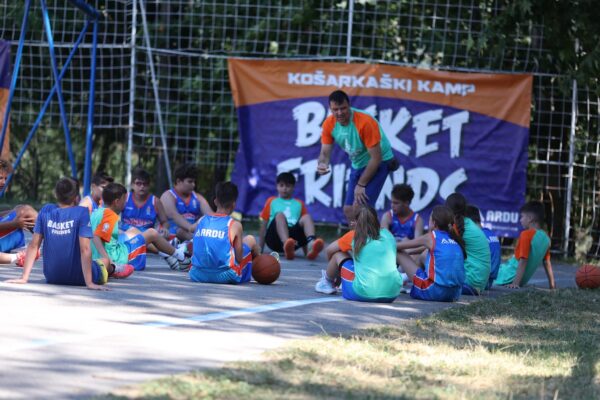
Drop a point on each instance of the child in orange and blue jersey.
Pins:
(128, 250)
(403, 222)
(183, 205)
(440, 274)
(142, 209)
(221, 253)
(286, 225)
(94, 199)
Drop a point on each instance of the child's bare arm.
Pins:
(31, 252)
(100, 247)
(419, 228)
(86, 264)
(549, 273)
(516, 283)
(261, 234)
(236, 230)
(386, 220)
(421, 241)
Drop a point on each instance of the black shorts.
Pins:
(274, 242)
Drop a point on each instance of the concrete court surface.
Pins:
(70, 342)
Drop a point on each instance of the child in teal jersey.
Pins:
(370, 273)
(533, 249)
(286, 225)
(478, 261)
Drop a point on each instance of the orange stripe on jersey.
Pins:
(6, 232)
(107, 224)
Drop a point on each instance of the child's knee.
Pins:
(250, 240)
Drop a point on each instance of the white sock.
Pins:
(179, 253)
(405, 277)
(13, 258)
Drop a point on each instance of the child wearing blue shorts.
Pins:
(370, 273)
(65, 230)
(222, 254)
(440, 274)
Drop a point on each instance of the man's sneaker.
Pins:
(289, 248)
(122, 271)
(324, 286)
(20, 261)
(317, 246)
(406, 284)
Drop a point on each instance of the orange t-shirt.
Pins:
(345, 242)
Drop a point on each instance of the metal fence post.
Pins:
(131, 96)
(349, 37)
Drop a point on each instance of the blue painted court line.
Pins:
(244, 311)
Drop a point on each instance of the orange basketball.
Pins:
(588, 277)
(265, 269)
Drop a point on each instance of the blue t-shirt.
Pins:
(142, 218)
(61, 229)
(402, 229)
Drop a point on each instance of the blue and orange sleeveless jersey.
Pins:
(11, 238)
(403, 228)
(495, 251)
(213, 245)
(142, 218)
(190, 210)
(444, 264)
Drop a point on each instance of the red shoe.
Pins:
(289, 248)
(317, 246)
(20, 261)
(122, 271)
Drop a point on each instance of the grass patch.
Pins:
(530, 344)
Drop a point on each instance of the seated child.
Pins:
(533, 249)
(440, 274)
(478, 260)
(64, 228)
(473, 213)
(183, 205)
(286, 225)
(222, 254)
(143, 209)
(127, 251)
(12, 222)
(403, 222)
(94, 199)
(370, 274)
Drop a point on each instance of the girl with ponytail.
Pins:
(370, 273)
(479, 258)
(439, 274)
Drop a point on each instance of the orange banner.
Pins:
(503, 96)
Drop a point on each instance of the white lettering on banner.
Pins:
(384, 81)
(309, 116)
(501, 216)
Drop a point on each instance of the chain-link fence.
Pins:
(171, 56)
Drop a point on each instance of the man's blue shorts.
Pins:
(347, 274)
(206, 275)
(434, 292)
(373, 187)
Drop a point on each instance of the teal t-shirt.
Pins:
(533, 246)
(293, 209)
(375, 272)
(105, 225)
(349, 139)
(479, 258)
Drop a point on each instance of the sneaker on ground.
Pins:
(324, 286)
(122, 271)
(20, 261)
(174, 242)
(289, 248)
(317, 246)
(185, 265)
(173, 262)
